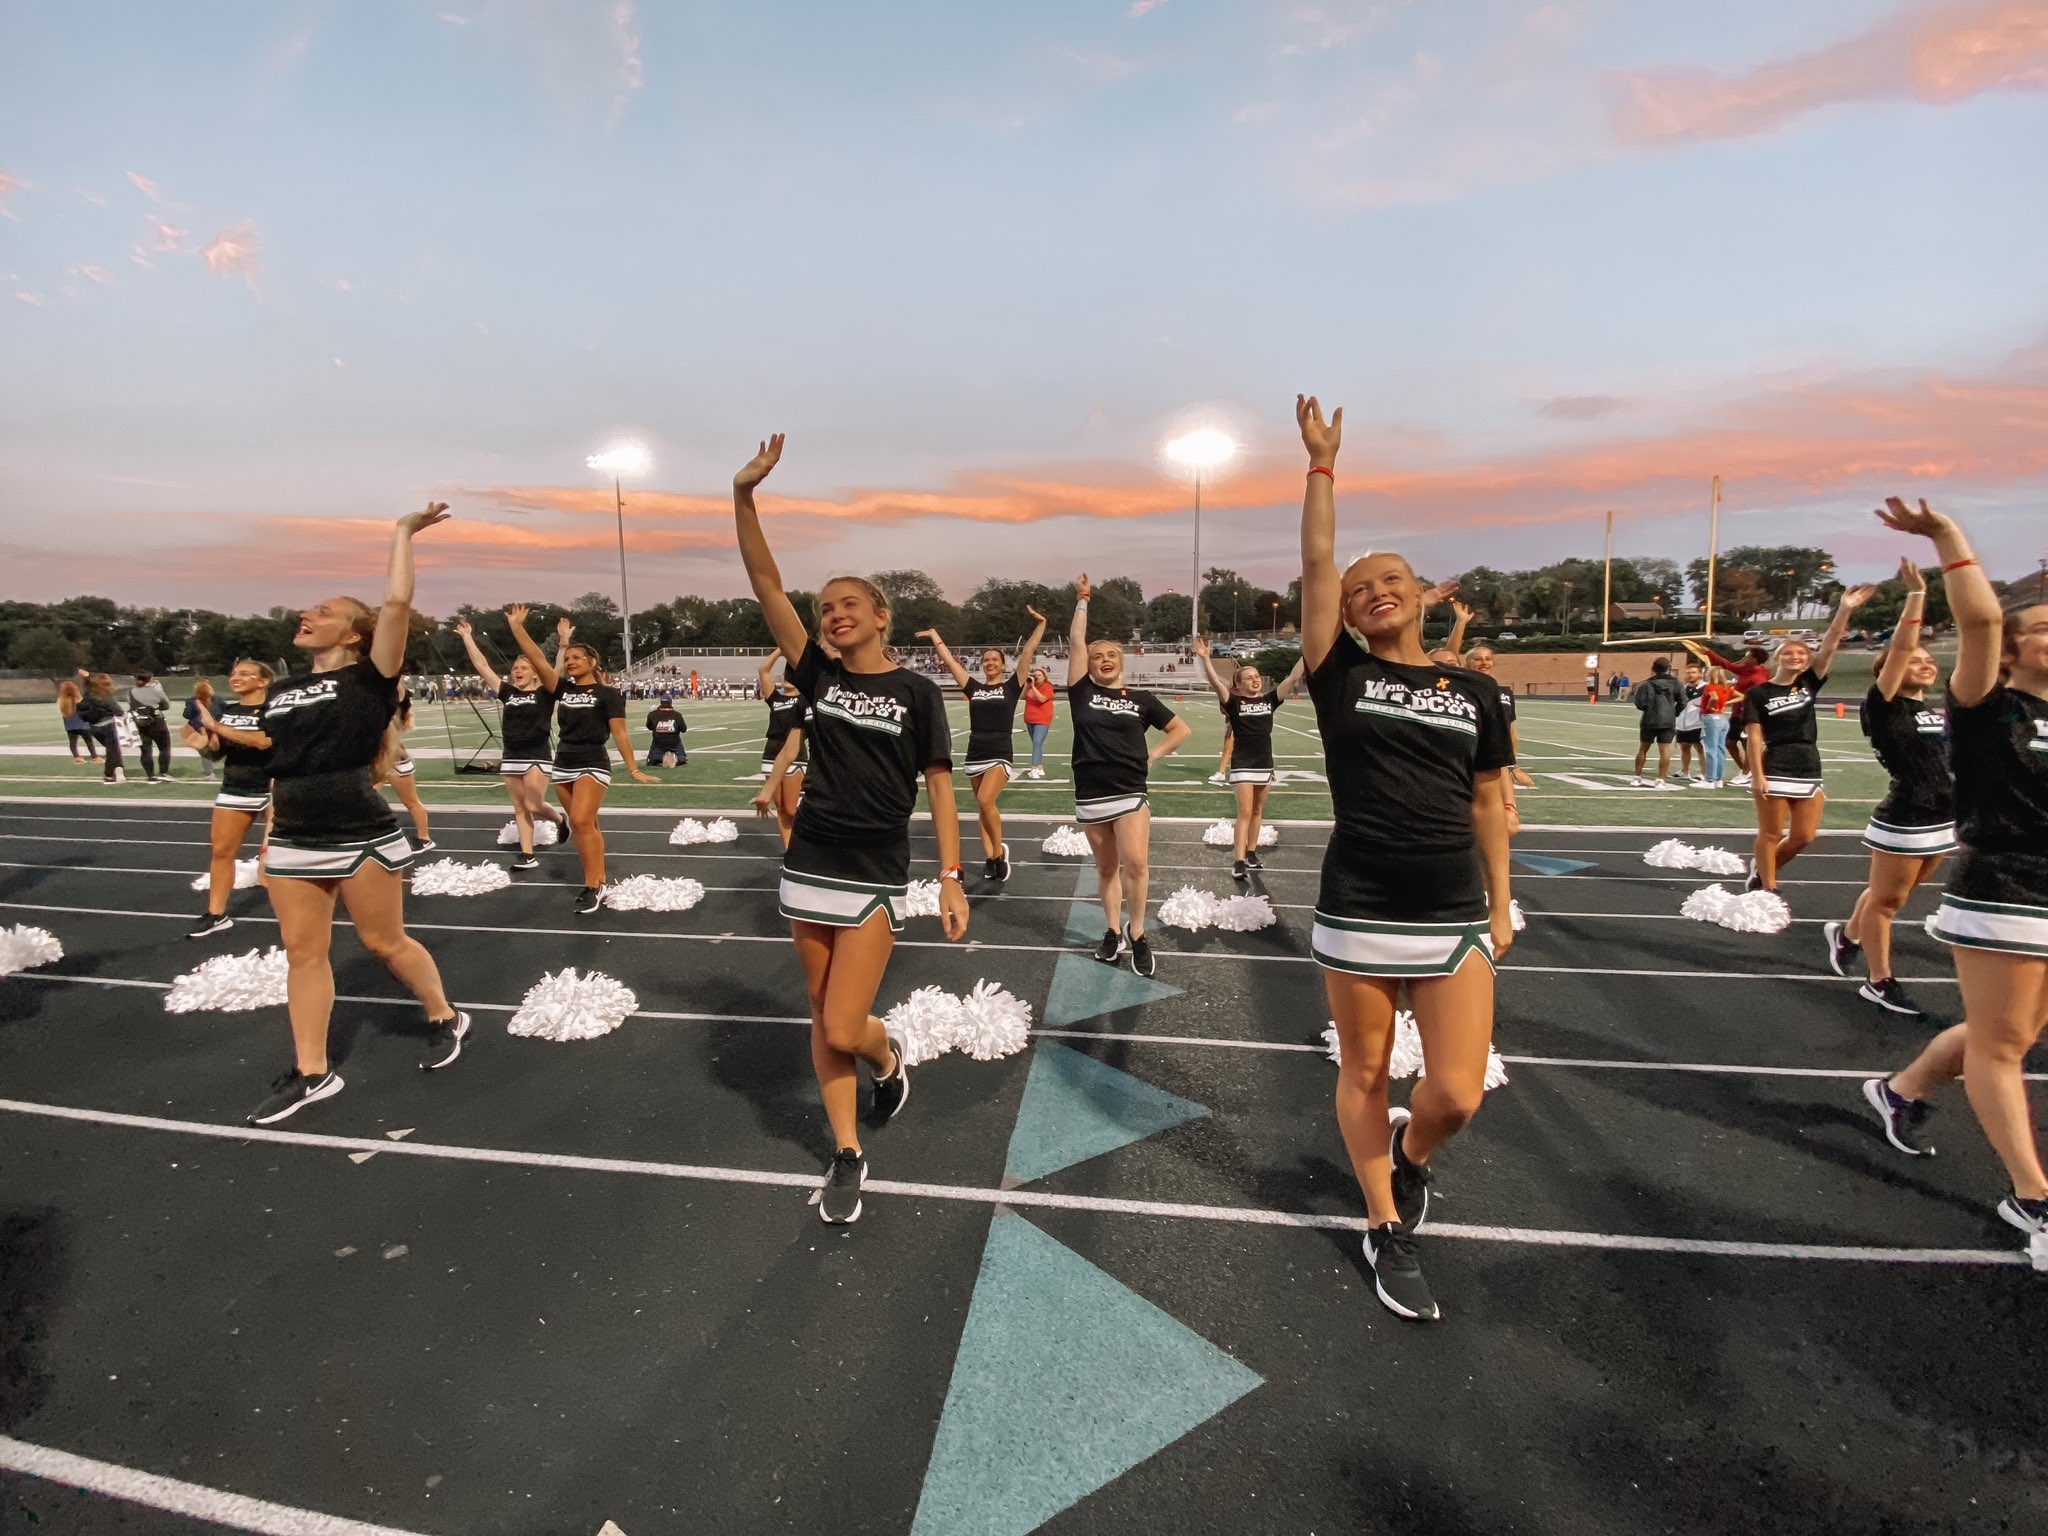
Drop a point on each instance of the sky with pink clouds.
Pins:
(271, 274)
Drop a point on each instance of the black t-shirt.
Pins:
(1911, 741)
(666, 724)
(1402, 744)
(584, 713)
(328, 722)
(991, 717)
(1110, 754)
(872, 735)
(1784, 712)
(1251, 728)
(1999, 751)
(241, 767)
(785, 714)
(525, 716)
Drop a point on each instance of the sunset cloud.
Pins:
(145, 186)
(1930, 54)
(234, 253)
(9, 182)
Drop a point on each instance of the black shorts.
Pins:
(1689, 738)
(1395, 914)
(1649, 733)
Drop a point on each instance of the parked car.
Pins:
(1754, 637)
(1507, 634)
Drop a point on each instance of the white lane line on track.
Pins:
(973, 946)
(769, 890)
(1041, 1199)
(1114, 1037)
(215, 1505)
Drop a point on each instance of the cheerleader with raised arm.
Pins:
(1414, 888)
(876, 729)
(1994, 913)
(992, 702)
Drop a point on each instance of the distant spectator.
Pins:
(1038, 697)
(101, 714)
(76, 732)
(665, 727)
(1661, 700)
(151, 707)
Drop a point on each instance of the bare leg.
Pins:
(225, 839)
(1258, 817)
(2005, 1005)
(1363, 1009)
(1134, 865)
(583, 799)
(1893, 878)
(1102, 842)
(843, 971)
(1770, 820)
(1245, 835)
(409, 794)
(1454, 1015)
(787, 793)
(375, 898)
(1803, 825)
(305, 922)
(986, 789)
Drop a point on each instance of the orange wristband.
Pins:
(1958, 565)
(1321, 469)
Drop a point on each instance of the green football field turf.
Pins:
(1580, 755)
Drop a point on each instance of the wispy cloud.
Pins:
(1143, 8)
(145, 186)
(35, 299)
(90, 273)
(163, 235)
(1580, 407)
(9, 183)
(235, 253)
(584, 54)
(1930, 54)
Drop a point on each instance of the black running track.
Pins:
(1676, 1300)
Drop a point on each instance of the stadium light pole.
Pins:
(624, 459)
(1202, 450)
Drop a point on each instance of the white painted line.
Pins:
(215, 1505)
(973, 946)
(1111, 1036)
(1042, 1199)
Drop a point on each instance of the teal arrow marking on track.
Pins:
(1544, 864)
(1085, 989)
(1075, 1108)
(1065, 1380)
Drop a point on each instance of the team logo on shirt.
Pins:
(1111, 705)
(318, 691)
(869, 711)
(1441, 706)
(1788, 703)
(1253, 708)
(520, 700)
(2040, 741)
(1928, 722)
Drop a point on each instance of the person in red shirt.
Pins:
(1038, 697)
(1753, 670)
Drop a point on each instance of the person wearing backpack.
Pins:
(1660, 700)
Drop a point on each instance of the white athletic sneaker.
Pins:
(1219, 778)
(1740, 781)
(1639, 782)
(1670, 784)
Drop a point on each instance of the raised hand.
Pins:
(413, 522)
(515, 613)
(1440, 593)
(755, 470)
(928, 634)
(1895, 514)
(462, 628)
(1082, 589)
(1911, 575)
(564, 629)
(1464, 611)
(1034, 613)
(1201, 647)
(1319, 437)
(1856, 597)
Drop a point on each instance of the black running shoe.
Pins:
(526, 861)
(891, 1092)
(1112, 947)
(988, 869)
(1755, 882)
(1397, 1274)
(423, 844)
(1241, 870)
(293, 1091)
(1842, 950)
(839, 1202)
(1251, 857)
(1142, 959)
(1002, 863)
(1902, 1117)
(1411, 1180)
(1889, 994)
(210, 922)
(588, 900)
(2029, 1216)
(444, 1043)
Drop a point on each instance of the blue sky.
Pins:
(271, 274)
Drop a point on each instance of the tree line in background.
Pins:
(1751, 581)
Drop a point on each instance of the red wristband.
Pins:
(1958, 565)
(1322, 469)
